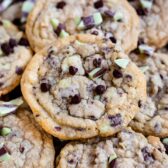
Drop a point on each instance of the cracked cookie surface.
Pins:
(54, 19)
(83, 86)
(126, 149)
(26, 144)
(15, 53)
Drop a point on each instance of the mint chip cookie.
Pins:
(154, 19)
(83, 86)
(23, 143)
(15, 53)
(153, 116)
(55, 19)
(127, 149)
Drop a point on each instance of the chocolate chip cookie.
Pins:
(153, 116)
(127, 149)
(154, 21)
(83, 86)
(54, 19)
(15, 53)
(23, 143)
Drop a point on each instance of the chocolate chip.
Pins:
(115, 120)
(95, 33)
(117, 74)
(23, 42)
(19, 70)
(6, 49)
(21, 149)
(147, 155)
(97, 62)
(139, 103)
(45, 86)
(140, 41)
(113, 39)
(12, 43)
(60, 27)
(127, 78)
(71, 161)
(3, 150)
(75, 99)
(112, 163)
(61, 5)
(73, 70)
(98, 4)
(100, 89)
(142, 12)
(58, 128)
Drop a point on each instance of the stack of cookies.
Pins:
(83, 84)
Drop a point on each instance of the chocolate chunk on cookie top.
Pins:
(53, 19)
(127, 149)
(79, 87)
(23, 143)
(15, 53)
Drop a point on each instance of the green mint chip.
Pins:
(146, 4)
(118, 16)
(27, 6)
(54, 22)
(122, 62)
(5, 131)
(97, 18)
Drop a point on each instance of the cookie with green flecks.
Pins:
(83, 86)
(23, 143)
(15, 53)
(55, 19)
(126, 149)
(153, 116)
(153, 21)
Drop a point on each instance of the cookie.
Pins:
(153, 116)
(16, 11)
(154, 21)
(54, 19)
(15, 53)
(126, 149)
(83, 86)
(23, 143)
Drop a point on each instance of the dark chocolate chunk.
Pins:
(95, 33)
(59, 28)
(61, 4)
(75, 99)
(117, 74)
(73, 70)
(113, 39)
(100, 89)
(6, 49)
(21, 149)
(97, 62)
(45, 86)
(88, 22)
(3, 150)
(147, 155)
(112, 163)
(19, 70)
(12, 43)
(24, 42)
(98, 4)
(139, 103)
(115, 120)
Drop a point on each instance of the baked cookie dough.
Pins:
(23, 144)
(153, 116)
(54, 19)
(154, 21)
(127, 149)
(15, 53)
(83, 86)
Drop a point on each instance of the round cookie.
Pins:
(154, 19)
(83, 86)
(153, 116)
(15, 53)
(112, 19)
(23, 143)
(127, 149)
